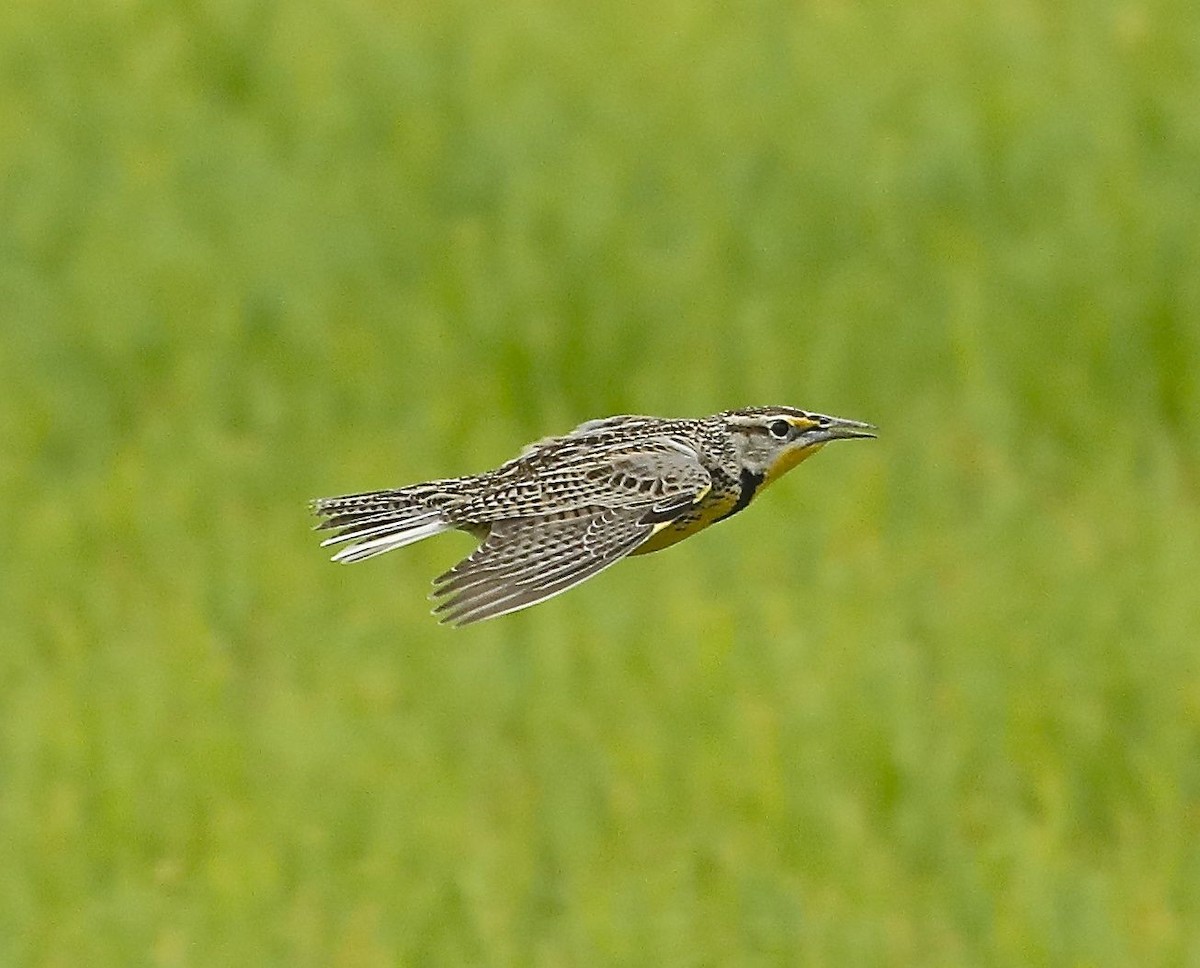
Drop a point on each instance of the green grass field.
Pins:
(933, 701)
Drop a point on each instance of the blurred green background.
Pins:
(934, 701)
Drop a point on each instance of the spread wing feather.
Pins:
(524, 561)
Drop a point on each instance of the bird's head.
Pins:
(770, 441)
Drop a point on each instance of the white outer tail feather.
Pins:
(388, 536)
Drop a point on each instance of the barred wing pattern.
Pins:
(574, 472)
(524, 561)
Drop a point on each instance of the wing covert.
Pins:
(656, 471)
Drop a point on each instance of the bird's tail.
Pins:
(378, 521)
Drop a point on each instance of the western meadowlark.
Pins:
(567, 507)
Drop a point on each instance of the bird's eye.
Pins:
(780, 429)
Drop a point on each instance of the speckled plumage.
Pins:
(567, 507)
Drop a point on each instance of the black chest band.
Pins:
(749, 484)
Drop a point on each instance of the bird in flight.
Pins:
(567, 507)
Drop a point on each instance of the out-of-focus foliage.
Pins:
(934, 700)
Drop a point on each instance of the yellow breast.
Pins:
(716, 505)
(711, 510)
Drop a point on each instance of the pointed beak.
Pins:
(837, 428)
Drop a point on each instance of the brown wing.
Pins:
(572, 475)
(524, 561)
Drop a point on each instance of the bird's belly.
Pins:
(688, 524)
